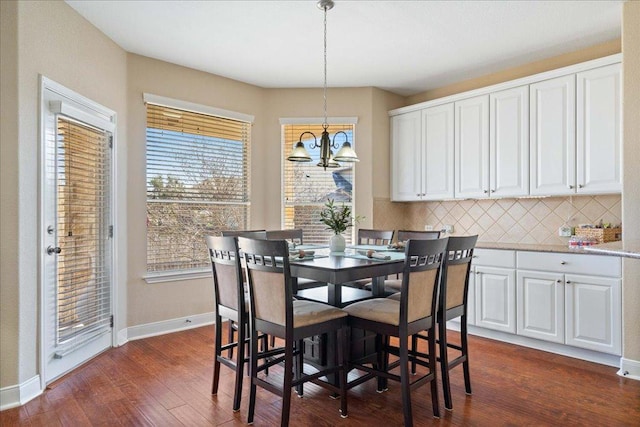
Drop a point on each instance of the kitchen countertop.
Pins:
(629, 249)
(535, 247)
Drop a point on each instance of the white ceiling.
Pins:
(405, 47)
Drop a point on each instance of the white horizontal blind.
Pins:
(83, 169)
(307, 187)
(197, 184)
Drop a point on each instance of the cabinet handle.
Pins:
(477, 272)
(558, 281)
(485, 191)
(563, 262)
(418, 194)
(568, 281)
(493, 191)
(570, 187)
(580, 186)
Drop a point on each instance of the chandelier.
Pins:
(326, 146)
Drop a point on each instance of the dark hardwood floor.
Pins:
(166, 381)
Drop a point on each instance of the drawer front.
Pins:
(596, 265)
(494, 258)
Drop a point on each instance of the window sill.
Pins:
(176, 276)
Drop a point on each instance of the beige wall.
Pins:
(56, 42)
(593, 52)
(631, 176)
(9, 289)
(149, 303)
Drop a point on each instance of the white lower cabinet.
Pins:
(592, 310)
(581, 310)
(540, 305)
(494, 280)
(564, 298)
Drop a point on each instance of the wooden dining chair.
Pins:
(403, 315)
(230, 303)
(273, 310)
(394, 284)
(452, 303)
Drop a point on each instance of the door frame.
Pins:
(86, 108)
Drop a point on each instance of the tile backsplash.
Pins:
(524, 220)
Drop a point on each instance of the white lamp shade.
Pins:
(346, 154)
(299, 153)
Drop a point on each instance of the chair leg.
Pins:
(444, 364)
(286, 387)
(433, 369)
(298, 365)
(465, 351)
(217, 351)
(253, 370)
(342, 359)
(237, 394)
(404, 380)
(380, 361)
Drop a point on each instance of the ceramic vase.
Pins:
(337, 243)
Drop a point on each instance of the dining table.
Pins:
(336, 270)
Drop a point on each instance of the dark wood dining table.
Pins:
(337, 269)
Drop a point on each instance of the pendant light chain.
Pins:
(325, 124)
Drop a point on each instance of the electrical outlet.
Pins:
(428, 228)
(447, 228)
(564, 231)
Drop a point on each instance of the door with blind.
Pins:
(77, 242)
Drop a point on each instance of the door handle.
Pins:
(51, 250)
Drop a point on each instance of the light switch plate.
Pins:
(564, 231)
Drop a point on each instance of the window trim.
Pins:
(202, 272)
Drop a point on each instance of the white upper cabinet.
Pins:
(407, 156)
(598, 131)
(553, 136)
(472, 147)
(422, 154)
(437, 132)
(509, 142)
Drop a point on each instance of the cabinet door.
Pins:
(437, 128)
(598, 123)
(593, 313)
(495, 298)
(552, 136)
(540, 305)
(472, 147)
(509, 142)
(406, 156)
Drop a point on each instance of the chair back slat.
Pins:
(290, 235)
(404, 235)
(254, 234)
(374, 237)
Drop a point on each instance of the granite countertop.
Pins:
(535, 247)
(629, 248)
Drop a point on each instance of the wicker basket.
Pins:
(600, 235)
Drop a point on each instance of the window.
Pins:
(307, 187)
(197, 181)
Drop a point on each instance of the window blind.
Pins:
(197, 184)
(83, 168)
(307, 187)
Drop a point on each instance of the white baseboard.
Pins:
(122, 337)
(629, 369)
(564, 350)
(167, 326)
(16, 395)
